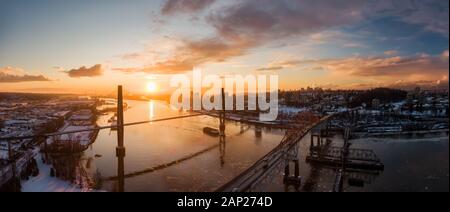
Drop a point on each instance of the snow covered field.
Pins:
(44, 183)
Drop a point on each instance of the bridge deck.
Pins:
(253, 175)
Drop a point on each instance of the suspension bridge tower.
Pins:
(120, 149)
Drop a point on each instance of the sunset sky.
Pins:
(90, 46)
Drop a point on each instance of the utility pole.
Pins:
(120, 149)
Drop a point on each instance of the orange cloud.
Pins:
(429, 66)
(16, 75)
(240, 27)
(190, 54)
(247, 25)
(93, 71)
(279, 65)
(367, 72)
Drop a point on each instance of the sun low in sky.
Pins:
(152, 87)
(84, 46)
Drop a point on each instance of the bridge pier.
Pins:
(316, 141)
(292, 180)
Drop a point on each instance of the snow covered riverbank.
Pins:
(45, 183)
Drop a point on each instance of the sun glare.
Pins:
(152, 87)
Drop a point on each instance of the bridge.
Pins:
(285, 153)
(18, 160)
(281, 157)
(344, 160)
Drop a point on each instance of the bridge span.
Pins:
(283, 154)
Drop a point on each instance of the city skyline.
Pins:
(88, 46)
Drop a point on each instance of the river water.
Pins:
(411, 164)
(150, 145)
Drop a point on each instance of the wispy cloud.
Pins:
(279, 65)
(391, 52)
(16, 75)
(413, 68)
(245, 25)
(363, 72)
(271, 68)
(433, 15)
(185, 6)
(445, 54)
(266, 20)
(192, 53)
(93, 71)
(249, 24)
(388, 66)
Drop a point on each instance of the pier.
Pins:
(355, 158)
